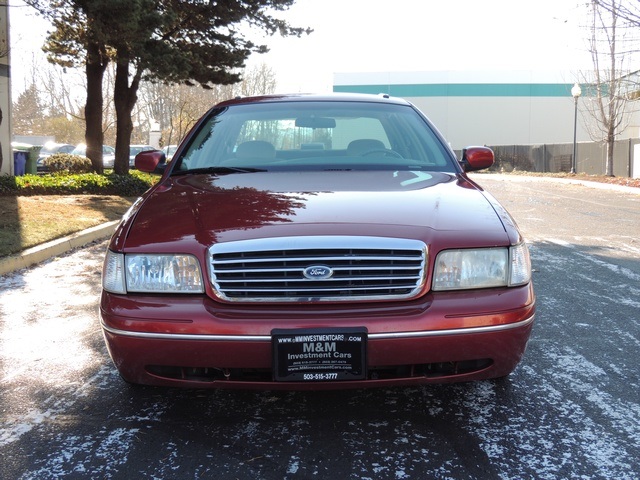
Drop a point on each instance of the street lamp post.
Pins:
(576, 91)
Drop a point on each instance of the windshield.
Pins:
(48, 150)
(316, 135)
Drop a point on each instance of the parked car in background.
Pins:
(169, 150)
(369, 259)
(108, 154)
(51, 149)
(136, 149)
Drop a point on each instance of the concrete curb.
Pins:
(50, 249)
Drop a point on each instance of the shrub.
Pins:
(8, 185)
(65, 162)
(61, 183)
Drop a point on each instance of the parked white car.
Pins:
(169, 150)
(108, 154)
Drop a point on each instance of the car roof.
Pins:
(51, 145)
(315, 97)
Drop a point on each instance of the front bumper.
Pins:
(196, 342)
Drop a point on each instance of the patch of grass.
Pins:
(32, 220)
(35, 209)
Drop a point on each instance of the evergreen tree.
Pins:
(171, 41)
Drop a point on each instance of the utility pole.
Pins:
(6, 154)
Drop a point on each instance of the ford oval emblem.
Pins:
(317, 272)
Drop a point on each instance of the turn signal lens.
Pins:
(113, 273)
(520, 265)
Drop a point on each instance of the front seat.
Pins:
(364, 145)
(255, 149)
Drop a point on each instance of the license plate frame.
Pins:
(319, 354)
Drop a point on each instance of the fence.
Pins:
(591, 158)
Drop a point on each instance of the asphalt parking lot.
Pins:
(570, 410)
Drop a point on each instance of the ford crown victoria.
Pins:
(315, 241)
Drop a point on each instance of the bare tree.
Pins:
(64, 105)
(53, 104)
(607, 99)
(260, 80)
(176, 108)
(59, 90)
(628, 11)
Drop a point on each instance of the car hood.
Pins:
(204, 209)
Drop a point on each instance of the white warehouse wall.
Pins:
(482, 108)
(501, 121)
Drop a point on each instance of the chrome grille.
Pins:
(319, 268)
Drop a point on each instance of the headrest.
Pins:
(255, 149)
(364, 145)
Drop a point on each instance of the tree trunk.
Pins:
(94, 136)
(125, 98)
(613, 93)
(611, 138)
(1, 156)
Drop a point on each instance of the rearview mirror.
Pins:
(315, 122)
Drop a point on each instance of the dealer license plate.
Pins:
(319, 354)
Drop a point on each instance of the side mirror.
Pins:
(476, 158)
(152, 161)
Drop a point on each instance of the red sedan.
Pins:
(305, 242)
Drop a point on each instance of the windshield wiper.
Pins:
(218, 170)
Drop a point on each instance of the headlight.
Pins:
(151, 273)
(482, 268)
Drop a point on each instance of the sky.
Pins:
(427, 35)
(388, 36)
